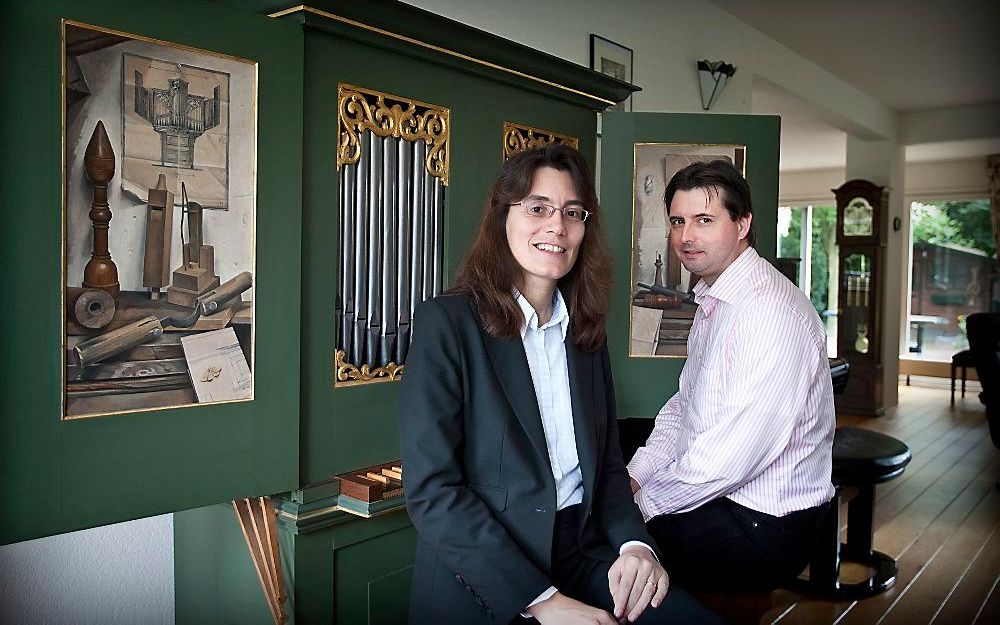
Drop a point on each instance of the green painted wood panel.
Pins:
(215, 582)
(354, 427)
(357, 571)
(388, 597)
(372, 578)
(58, 476)
(643, 385)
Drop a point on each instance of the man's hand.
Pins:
(636, 580)
(635, 485)
(559, 609)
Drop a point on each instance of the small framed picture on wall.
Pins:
(612, 59)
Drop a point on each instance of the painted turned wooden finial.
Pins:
(99, 163)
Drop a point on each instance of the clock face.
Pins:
(858, 218)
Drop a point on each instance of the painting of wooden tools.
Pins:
(112, 343)
(196, 275)
(159, 213)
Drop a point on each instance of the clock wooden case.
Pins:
(861, 238)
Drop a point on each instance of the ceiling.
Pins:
(806, 143)
(910, 54)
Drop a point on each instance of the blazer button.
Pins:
(479, 600)
(459, 579)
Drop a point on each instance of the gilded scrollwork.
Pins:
(347, 373)
(387, 115)
(518, 137)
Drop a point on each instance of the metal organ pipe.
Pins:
(390, 247)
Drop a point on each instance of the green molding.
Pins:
(318, 514)
(411, 30)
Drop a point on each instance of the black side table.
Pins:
(861, 459)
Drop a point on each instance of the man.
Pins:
(736, 474)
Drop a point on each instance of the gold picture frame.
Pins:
(141, 360)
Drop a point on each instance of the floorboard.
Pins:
(966, 594)
(940, 520)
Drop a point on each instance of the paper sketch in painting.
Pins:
(176, 121)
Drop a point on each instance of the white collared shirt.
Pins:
(545, 348)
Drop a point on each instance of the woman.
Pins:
(513, 475)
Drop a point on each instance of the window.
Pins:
(807, 234)
(952, 262)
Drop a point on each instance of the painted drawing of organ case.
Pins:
(392, 154)
(159, 214)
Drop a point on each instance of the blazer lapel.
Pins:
(581, 380)
(511, 366)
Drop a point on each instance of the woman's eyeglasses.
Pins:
(541, 210)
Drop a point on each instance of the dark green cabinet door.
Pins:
(57, 474)
(638, 151)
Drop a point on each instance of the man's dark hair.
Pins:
(715, 177)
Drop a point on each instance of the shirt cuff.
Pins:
(551, 590)
(631, 543)
(640, 471)
(645, 506)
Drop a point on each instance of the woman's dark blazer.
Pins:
(479, 486)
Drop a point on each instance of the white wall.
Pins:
(120, 574)
(966, 122)
(809, 186)
(963, 179)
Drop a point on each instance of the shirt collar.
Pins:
(559, 314)
(733, 282)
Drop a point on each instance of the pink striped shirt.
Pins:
(753, 419)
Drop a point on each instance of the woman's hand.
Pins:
(559, 609)
(636, 580)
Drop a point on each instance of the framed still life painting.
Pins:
(159, 207)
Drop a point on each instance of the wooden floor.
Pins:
(940, 520)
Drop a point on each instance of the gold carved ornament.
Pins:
(518, 137)
(387, 115)
(347, 374)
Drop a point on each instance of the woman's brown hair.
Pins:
(489, 273)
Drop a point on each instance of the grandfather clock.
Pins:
(861, 237)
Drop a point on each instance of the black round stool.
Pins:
(861, 459)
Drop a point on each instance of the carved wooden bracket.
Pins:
(260, 529)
